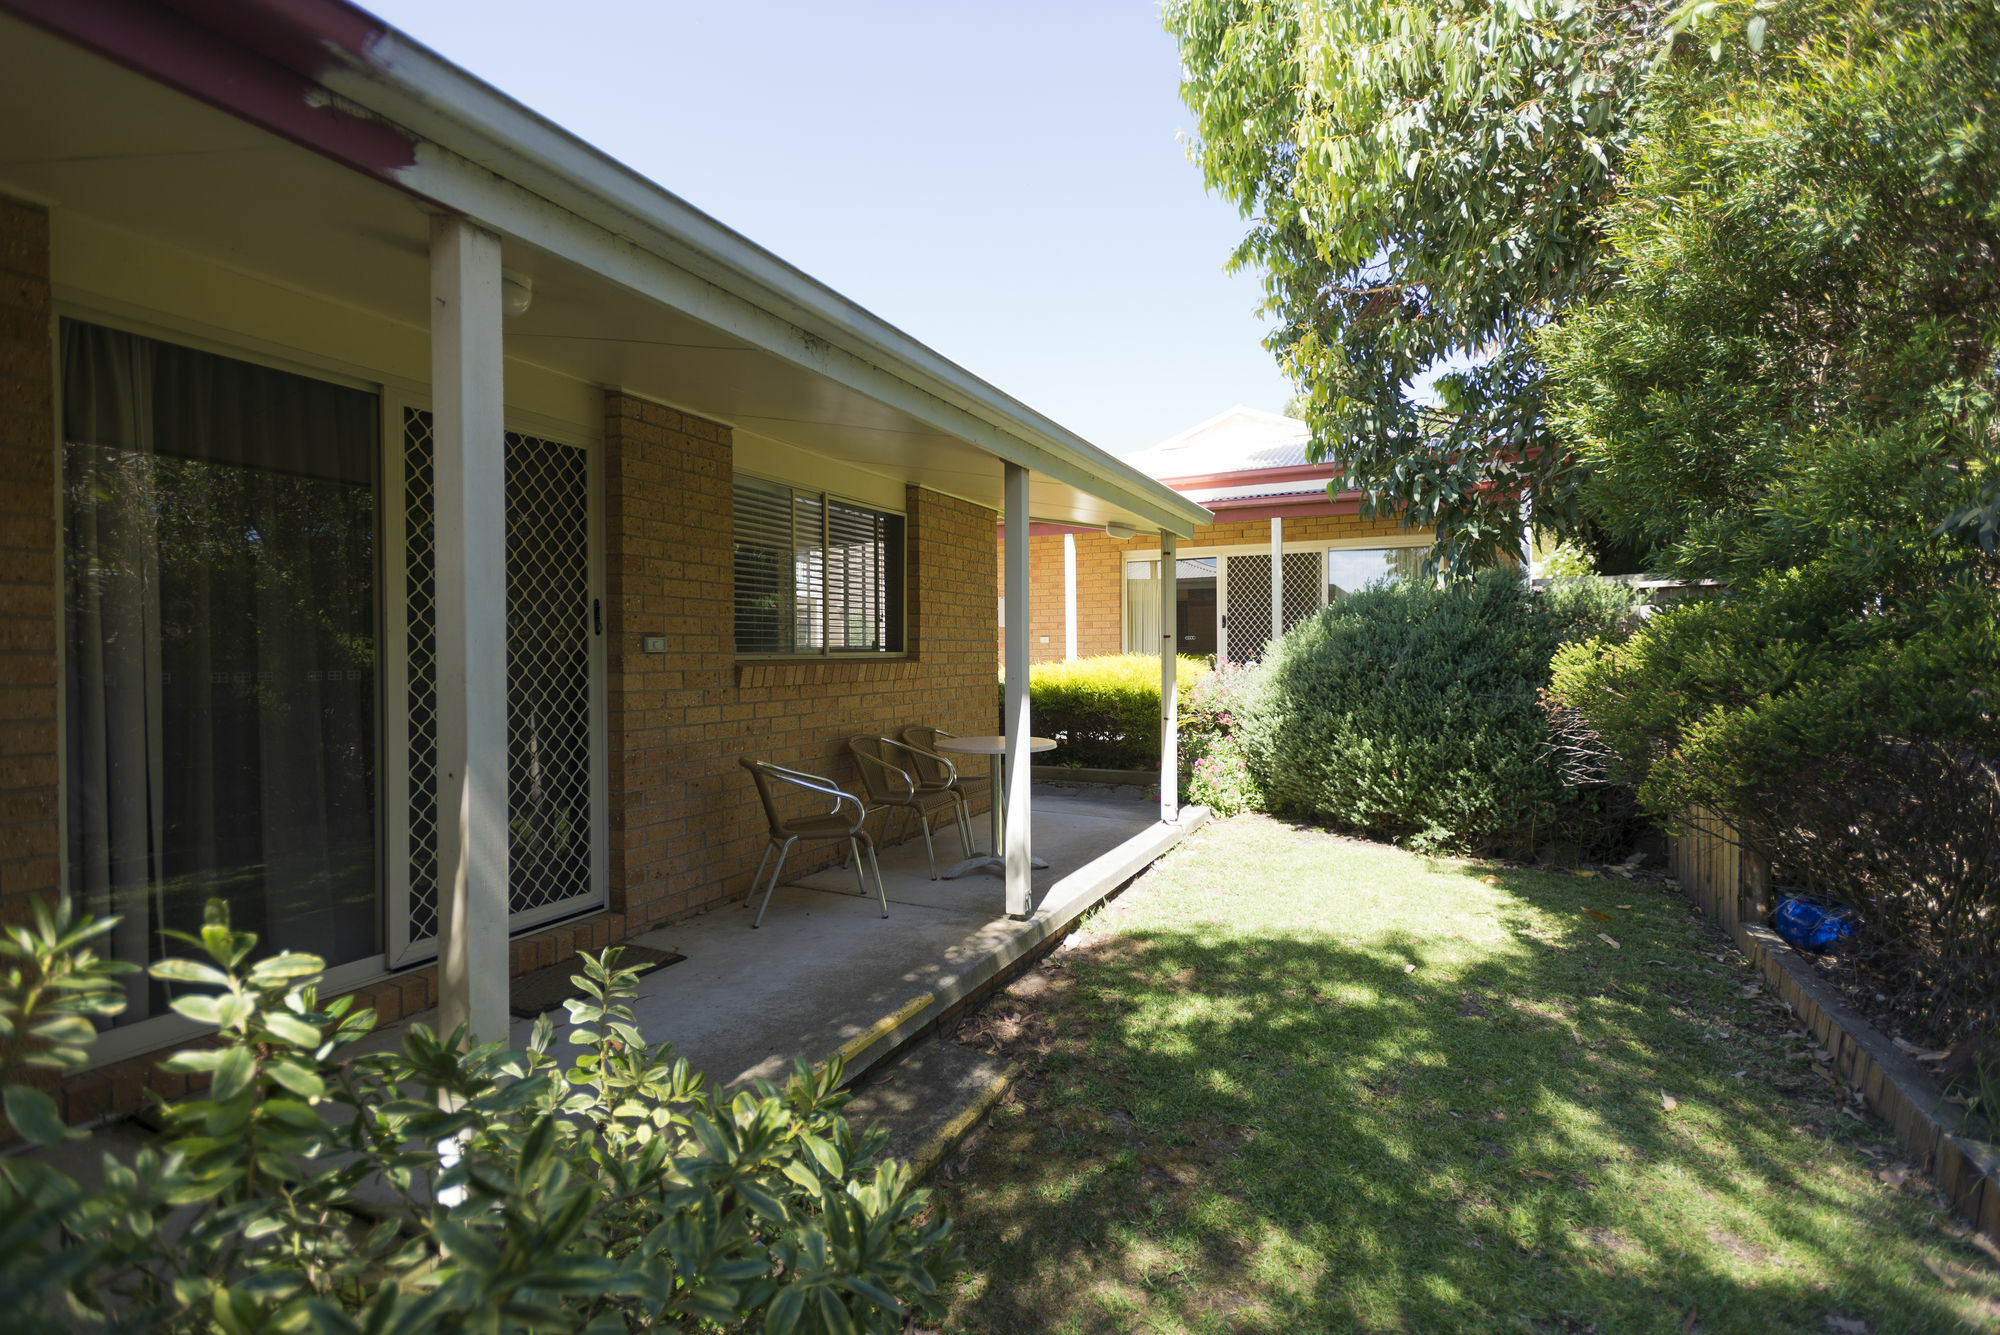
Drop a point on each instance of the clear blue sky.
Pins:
(1002, 181)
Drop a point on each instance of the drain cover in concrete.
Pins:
(548, 987)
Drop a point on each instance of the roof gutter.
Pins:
(482, 154)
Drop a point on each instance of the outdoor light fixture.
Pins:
(516, 292)
(1119, 532)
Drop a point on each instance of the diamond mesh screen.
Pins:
(548, 673)
(420, 648)
(1304, 587)
(1246, 612)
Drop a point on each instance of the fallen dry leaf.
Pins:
(1609, 942)
(1586, 873)
(1688, 1321)
(1536, 1172)
(1489, 880)
(1601, 917)
(1667, 1101)
(1409, 968)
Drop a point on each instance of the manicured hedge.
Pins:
(1104, 712)
(1409, 711)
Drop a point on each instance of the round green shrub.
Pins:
(1410, 711)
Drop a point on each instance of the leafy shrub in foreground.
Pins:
(621, 1193)
(1409, 711)
(1105, 711)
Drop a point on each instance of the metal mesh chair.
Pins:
(890, 785)
(789, 830)
(934, 767)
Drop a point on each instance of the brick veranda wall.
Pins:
(28, 793)
(686, 828)
(1100, 565)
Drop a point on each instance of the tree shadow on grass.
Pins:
(1283, 1131)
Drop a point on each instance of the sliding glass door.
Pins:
(219, 568)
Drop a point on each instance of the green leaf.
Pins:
(202, 1010)
(833, 1313)
(824, 1152)
(33, 1115)
(782, 1318)
(283, 968)
(1755, 31)
(232, 1074)
(301, 1081)
(292, 1029)
(188, 971)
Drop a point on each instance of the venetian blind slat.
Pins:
(766, 611)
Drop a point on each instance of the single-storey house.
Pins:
(409, 515)
(1280, 546)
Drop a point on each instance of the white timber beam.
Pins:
(1170, 741)
(1277, 576)
(1019, 868)
(468, 442)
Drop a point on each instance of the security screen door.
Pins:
(1246, 599)
(1246, 606)
(553, 631)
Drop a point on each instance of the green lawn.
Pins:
(1246, 1111)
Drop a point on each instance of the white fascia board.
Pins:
(497, 162)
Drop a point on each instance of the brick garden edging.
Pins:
(1967, 1171)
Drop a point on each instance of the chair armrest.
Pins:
(909, 784)
(950, 769)
(826, 787)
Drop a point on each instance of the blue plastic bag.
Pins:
(1811, 925)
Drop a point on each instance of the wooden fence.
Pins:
(1730, 882)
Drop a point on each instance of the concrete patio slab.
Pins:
(827, 974)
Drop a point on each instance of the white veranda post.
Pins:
(1277, 576)
(469, 443)
(1019, 868)
(1170, 770)
(1069, 596)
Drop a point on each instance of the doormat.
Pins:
(546, 988)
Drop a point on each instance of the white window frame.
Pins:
(1321, 545)
(824, 654)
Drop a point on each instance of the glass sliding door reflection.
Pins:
(219, 544)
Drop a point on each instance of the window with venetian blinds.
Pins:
(815, 574)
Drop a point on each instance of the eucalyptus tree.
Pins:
(1423, 182)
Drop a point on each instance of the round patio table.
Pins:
(994, 748)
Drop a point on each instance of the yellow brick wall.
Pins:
(28, 610)
(686, 828)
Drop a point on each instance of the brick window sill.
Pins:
(814, 671)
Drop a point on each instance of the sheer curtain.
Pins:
(1142, 607)
(219, 524)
